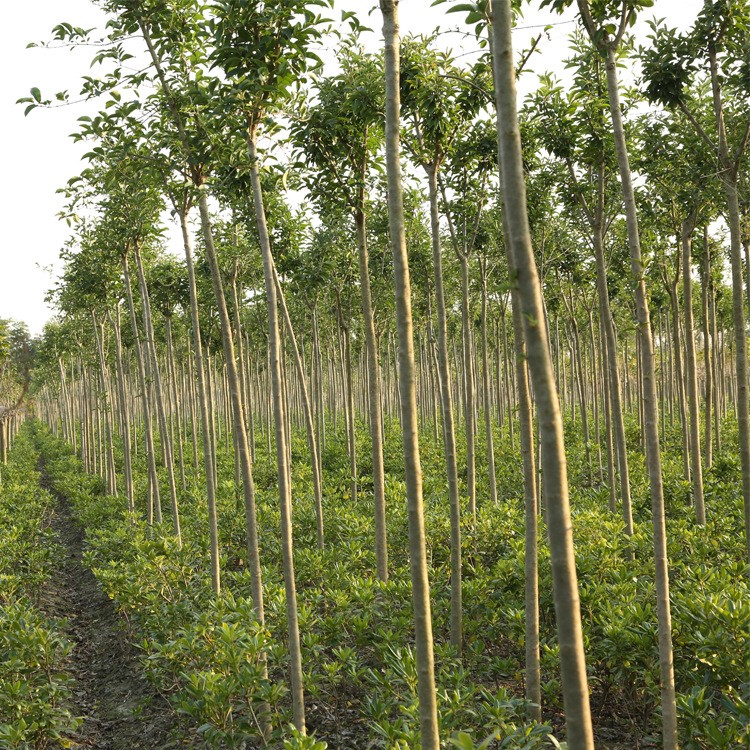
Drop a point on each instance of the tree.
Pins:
(555, 488)
(606, 24)
(428, 720)
(717, 44)
(262, 77)
(339, 136)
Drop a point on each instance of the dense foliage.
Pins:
(35, 688)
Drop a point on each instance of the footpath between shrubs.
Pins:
(68, 677)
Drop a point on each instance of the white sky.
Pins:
(40, 156)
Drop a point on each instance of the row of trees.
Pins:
(15, 374)
(320, 195)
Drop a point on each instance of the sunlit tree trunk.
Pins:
(449, 430)
(651, 413)
(373, 391)
(565, 584)
(428, 721)
(154, 504)
(284, 473)
(159, 392)
(208, 447)
(692, 375)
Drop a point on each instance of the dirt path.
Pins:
(122, 710)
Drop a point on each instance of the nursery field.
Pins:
(396, 389)
(212, 670)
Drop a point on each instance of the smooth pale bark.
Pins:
(696, 474)
(462, 250)
(729, 177)
(190, 388)
(608, 432)
(284, 474)
(564, 578)
(159, 393)
(154, 505)
(531, 507)
(708, 364)
(347, 389)
(428, 720)
(175, 401)
(228, 344)
(486, 387)
(509, 391)
(373, 391)
(238, 416)
(610, 339)
(651, 414)
(319, 389)
(446, 401)
(679, 370)
(110, 472)
(580, 384)
(239, 336)
(65, 413)
(4, 440)
(208, 448)
(469, 389)
(308, 416)
(596, 392)
(250, 413)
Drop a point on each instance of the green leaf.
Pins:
(462, 741)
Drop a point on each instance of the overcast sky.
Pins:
(40, 156)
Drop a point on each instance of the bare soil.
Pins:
(121, 709)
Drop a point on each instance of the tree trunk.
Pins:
(565, 584)
(486, 389)
(728, 176)
(373, 393)
(248, 485)
(651, 412)
(159, 392)
(208, 446)
(284, 474)
(308, 415)
(428, 720)
(707, 358)
(449, 429)
(692, 375)
(154, 504)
